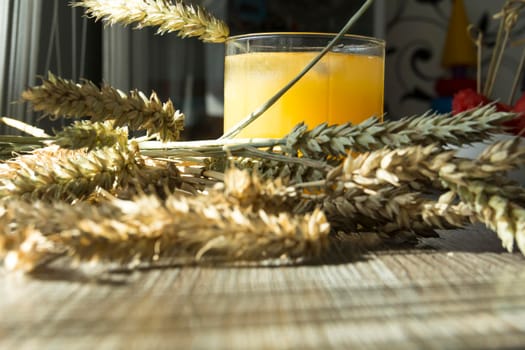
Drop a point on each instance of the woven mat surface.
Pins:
(460, 291)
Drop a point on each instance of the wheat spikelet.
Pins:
(288, 172)
(392, 209)
(419, 166)
(86, 134)
(156, 177)
(490, 167)
(61, 97)
(53, 173)
(186, 20)
(250, 190)
(304, 156)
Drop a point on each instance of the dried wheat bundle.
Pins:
(186, 20)
(94, 195)
(349, 206)
(478, 183)
(145, 229)
(61, 97)
(244, 218)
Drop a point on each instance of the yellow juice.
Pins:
(342, 87)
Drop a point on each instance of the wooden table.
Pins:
(464, 292)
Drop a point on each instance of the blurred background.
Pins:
(38, 36)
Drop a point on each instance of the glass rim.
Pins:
(266, 35)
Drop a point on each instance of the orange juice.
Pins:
(342, 87)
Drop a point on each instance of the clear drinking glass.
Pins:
(347, 85)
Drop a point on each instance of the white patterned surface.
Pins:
(416, 31)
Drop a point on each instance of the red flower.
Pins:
(467, 99)
(517, 125)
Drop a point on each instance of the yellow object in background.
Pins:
(459, 49)
(342, 87)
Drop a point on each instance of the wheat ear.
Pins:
(61, 97)
(326, 141)
(186, 229)
(186, 20)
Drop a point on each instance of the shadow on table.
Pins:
(474, 239)
(64, 273)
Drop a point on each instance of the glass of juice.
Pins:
(347, 85)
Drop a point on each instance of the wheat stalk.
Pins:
(11, 146)
(53, 173)
(305, 156)
(351, 207)
(186, 20)
(61, 97)
(419, 166)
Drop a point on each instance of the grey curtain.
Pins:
(37, 37)
(19, 51)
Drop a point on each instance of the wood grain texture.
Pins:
(460, 291)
